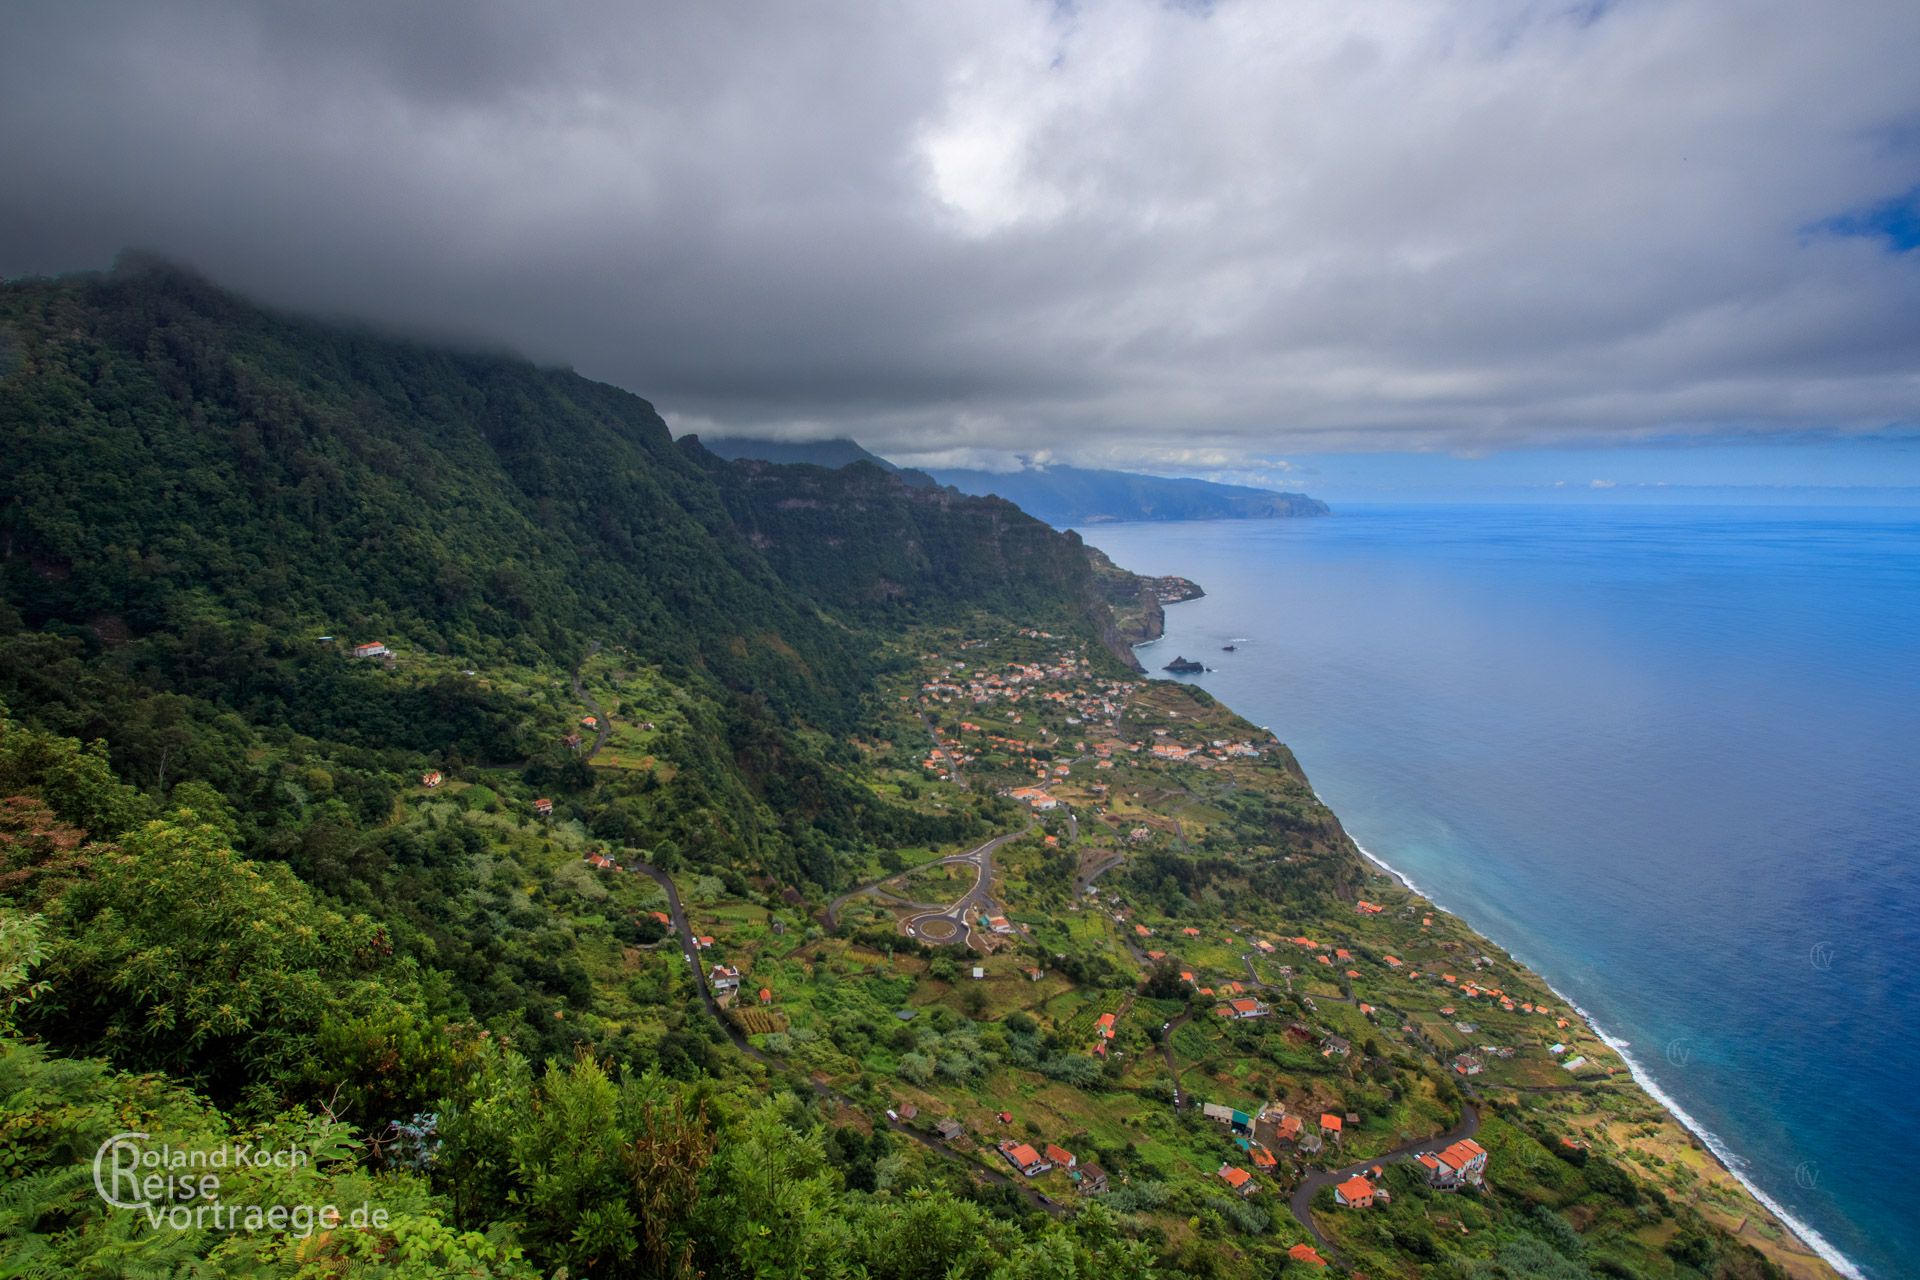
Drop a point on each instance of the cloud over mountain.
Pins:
(1119, 231)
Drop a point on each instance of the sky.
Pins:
(1598, 247)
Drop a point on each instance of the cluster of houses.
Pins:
(1031, 1162)
(1459, 1164)
(1102, 1034)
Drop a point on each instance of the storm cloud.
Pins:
(1178, 235)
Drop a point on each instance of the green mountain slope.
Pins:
(464, 921)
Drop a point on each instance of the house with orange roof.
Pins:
(1237, 1178)
(1024, 1158)
(1306, 1253)
(1060, 1157)
(1191, 932)
(1262, 1158)
(1355, 1193)
(1103, 1026)
(431, 779)
(1393, 962)
(1462, 1163)
(1245, 1007)
(543, 807)
(766, 995)
(1330, 1123)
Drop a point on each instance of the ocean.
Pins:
(1664, 755)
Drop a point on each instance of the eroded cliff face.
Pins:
(1138, 602)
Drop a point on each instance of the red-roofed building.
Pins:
(1455, 1166)
(1355, 1193)
(1237, 1178)
(1330, 1122)
(1307, 1254)
(1060, 1157)
(1024, 1158)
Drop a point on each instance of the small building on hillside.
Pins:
(543, 807)
(1307, 1255)
(373, 649)
(1237, 1179)
(1024, 1158)
(432, 778)
(1092, 1179)
(1330, 1123)
(723, 979)
(1355, 1193)
(1059, 1157)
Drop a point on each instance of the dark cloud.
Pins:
(1127, 232)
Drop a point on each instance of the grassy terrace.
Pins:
(1375, 1016)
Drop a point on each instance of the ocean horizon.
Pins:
(1656, 752)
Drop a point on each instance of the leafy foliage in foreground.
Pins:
(230, 912)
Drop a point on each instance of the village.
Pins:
(1057, 1009)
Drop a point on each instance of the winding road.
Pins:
(820, 1088)
(601, 726)
(1302, 1201)
(976, 901)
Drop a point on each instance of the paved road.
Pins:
(602, 727)
(1084, 881)
(1173, 1068)
(977, 901)
(820, 1088)
(1302, 1201)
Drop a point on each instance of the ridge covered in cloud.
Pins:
(1193, 235)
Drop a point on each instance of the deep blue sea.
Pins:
(1669, 757)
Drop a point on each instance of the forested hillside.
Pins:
(420, 760)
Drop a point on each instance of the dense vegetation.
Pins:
(256, 890)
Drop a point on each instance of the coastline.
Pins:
(1716, 1147)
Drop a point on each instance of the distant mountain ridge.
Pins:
(833, 454)
(1060, 495)
(1064, 496)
